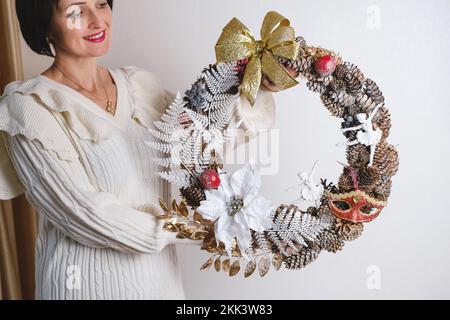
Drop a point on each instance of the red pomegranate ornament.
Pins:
(325, 65)
(210, 179)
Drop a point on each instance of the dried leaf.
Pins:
(170, 227)
(163, 206)
(181, 236)
(263, 266)
(226, 265)
(174, 205)
(217, 264)
(235, 267)
(277, 260)
(207, 264)
(190, 230)
(212, 250)
(183, 210)
(249, 269)
(180, 226)
(221, 249)
(198, 217)
(199, 234)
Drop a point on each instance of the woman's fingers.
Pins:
(294, 73)
(269, 85)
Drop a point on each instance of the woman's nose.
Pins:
(95, 20)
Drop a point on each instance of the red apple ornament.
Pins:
(210, 179)
(325, 65)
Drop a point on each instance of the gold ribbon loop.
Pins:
(277, 39)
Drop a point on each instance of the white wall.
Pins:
(407, 57)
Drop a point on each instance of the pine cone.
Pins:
(195, 96)
(349, 73)
(338, 85)
(331, 241)
(345, 183)
(353, 110)
(312, 211)
(301, 65)
(316, 86)
(335, 109)
(301, 41)
(382, 189)
(352, 76)
(347, 230)
(311, 75)
(354, 86)
(193, 195)
(324, 209)
(358, 156)
(373, 91)
(365, 103)
(382, 120)
(386, 160)
(342, 98)
(303, 258)
(367, 178)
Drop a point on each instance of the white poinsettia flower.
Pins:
(236, 207)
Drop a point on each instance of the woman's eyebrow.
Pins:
(74, 4)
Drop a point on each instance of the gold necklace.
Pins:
(109, 104)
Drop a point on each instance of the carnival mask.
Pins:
(355, 206)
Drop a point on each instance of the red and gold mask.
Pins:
(355, 206)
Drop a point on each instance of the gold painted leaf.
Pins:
(198, 217)
(181, 236)
(277, 260)
(180, 226)
(217, 264)
(226, 265)
(163, 217)
(249, 269)
(170, 227)
(207, 264)
(183, 210)
(196, 236)
(235, 267)
(212, 250)
(187, 232)
(174, 205)
(263, 266)
(163, 205)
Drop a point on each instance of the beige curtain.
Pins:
(17, 218)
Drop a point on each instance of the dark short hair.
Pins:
(35, 17)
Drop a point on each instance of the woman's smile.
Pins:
(97, 37)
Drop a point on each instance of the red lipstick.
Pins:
(97, 37)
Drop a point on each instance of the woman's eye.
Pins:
(74, 12)
(103, 4)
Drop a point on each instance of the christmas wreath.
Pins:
(226, 212)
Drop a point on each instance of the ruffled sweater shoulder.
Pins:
(29, 107)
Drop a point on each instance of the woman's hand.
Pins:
(270, 86)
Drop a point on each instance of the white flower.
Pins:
(237, 207)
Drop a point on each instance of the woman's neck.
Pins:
(83, 71)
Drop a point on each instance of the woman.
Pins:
(72, 141)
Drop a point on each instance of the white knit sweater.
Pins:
(97, 239)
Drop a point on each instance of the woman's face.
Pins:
(81, 28)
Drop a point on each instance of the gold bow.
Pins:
(277, 39)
